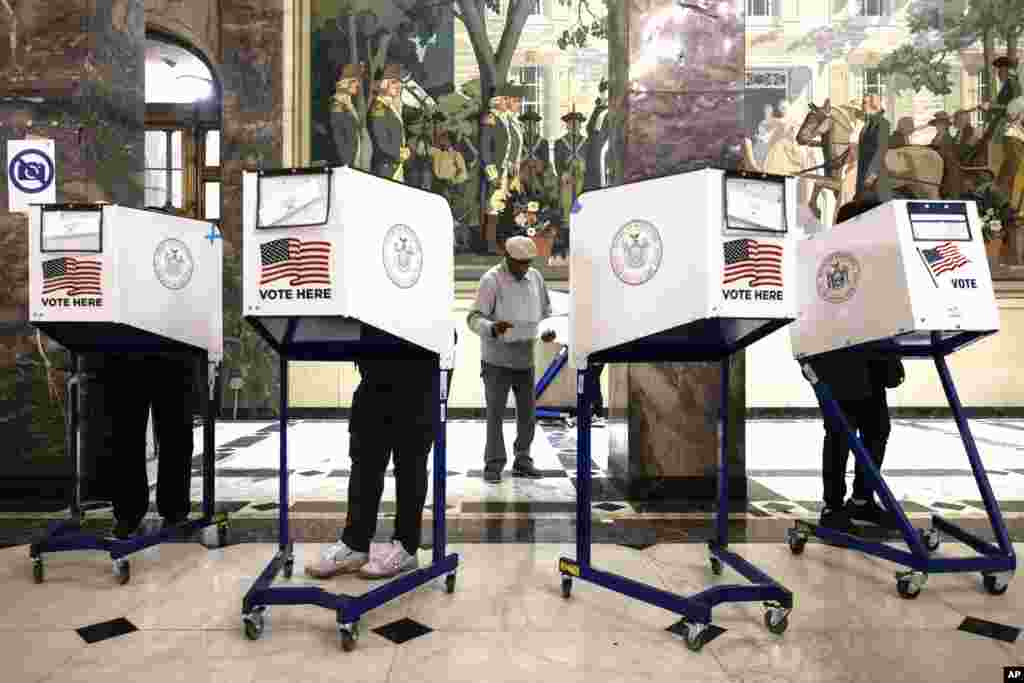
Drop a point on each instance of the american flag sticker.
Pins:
(944, 258)
(758, 262)
(301, 262)
(76, 276)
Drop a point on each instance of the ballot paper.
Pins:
(71, 230)
(521, 330)
(293, 200)
(755, 204)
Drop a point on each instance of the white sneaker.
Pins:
(335, 559)
(392, 561)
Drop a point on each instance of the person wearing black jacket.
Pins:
(858, 384)
(393, 412)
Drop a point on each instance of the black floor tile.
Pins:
(263, 472)
(609, 507)
(947, 506)
(603, 490)
(547, 474)
(263, 507)
(402, 631)
(310, 473)
(777, 507)
(679, 629)
(638, 546)
(519, 506)
(105, 630)
(990, 629)
(229, 507)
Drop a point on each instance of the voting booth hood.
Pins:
(335, 255)
(913, 272)
(108, 277)
(703, 259)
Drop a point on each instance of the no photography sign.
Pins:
(31, 173)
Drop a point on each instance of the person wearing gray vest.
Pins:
(511, 302)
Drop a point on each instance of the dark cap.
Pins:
(574, 116)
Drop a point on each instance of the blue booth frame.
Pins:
(704, 340)
(996, 564)
(555, 367)
(348, 608)
(68, 535)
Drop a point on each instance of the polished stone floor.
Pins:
(179, 619)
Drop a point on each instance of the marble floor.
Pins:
(179, 619)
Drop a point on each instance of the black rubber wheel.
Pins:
(907, 590)
(124, 572)
(992, 588)
(716, 566)
(566, 587)
(289, 568)
(931, 541)
(222, 535)
(38, 573)
(695, 643)
(348, 641)
(449, 583)
(253, 626)
(777, 627)
(796, 546)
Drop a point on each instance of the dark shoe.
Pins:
(123, 531)
(836, 519)
(526, 470)
(871, 513)
(492, 476)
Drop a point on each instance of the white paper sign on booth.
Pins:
(651, 256)
(340, 243)
(905, 269)
(154, 272)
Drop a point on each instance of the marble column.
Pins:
(683, 109)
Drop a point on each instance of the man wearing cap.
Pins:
(1006, 71)
(494, 144)
(386, 128)
(570, 161)
(537, 151)
(512, 299)
(872, 145)
(943, 143)
(598, 132)
(345, 124)
(514, 106)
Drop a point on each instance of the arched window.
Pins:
(183, 104)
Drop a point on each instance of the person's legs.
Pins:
(131, 410)
(526, 419)
(595, 388)
(370, 454)
(874, 427)
(835, 453)
(172, 427)
(496, 386)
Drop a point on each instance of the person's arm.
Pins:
(385, 142)
(344, 137)
(480, 318)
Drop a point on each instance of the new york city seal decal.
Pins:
(403, 256)
(636, 252)
(173, 264)
(838, 277)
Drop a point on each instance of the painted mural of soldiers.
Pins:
(345, 125)
(494, 142)
(570, 162)
(516, 138)
(1013, 149)
(598, 134)
(386, 127)
(537, 151)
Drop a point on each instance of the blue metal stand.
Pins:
(348, 608)
(555, 367)
(695, 610)
(996, 564)
(68, 535)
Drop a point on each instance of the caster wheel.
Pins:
(449, 583)
(716, 566)
(566, 587)
(38, 573)
(931, 539)
(223, 533)
(776, 620)
(695, 637)
(253, 623)
(289, 568)
(349, 636)
(123, 571)
(796, 541)
(994, 585)
(907, 589)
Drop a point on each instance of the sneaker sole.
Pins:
(527, 475)
(372, 577)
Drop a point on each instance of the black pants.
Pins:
(869, 416)
(594, 390)
(370, 451)
(134, 387)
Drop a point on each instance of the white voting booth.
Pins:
(650, 257)
(337, 247)
(904, 271)
(150, 278)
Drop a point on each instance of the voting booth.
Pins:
(690, 267)
(907, 279)
(343, 265)
(108, 278)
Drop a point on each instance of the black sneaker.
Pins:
(526, 470)
(836, 519)
(871, 513)
(492, 476)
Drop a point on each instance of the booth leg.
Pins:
(440, 467)
(722, 518)
(209, 442)
(282, 513)
(583, 467)
(557, 363)
(995, 516)
(71, 440)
